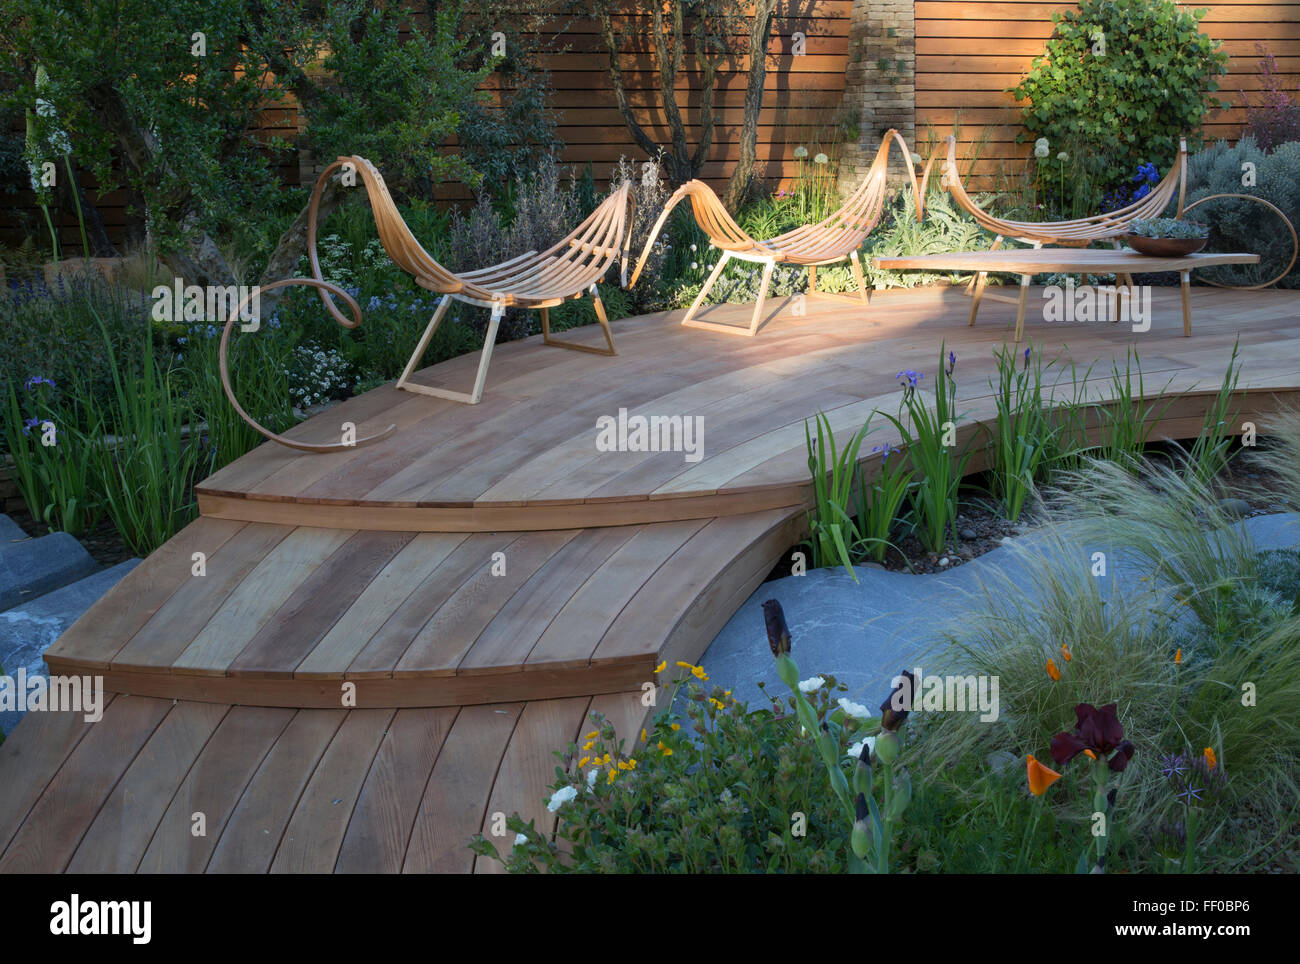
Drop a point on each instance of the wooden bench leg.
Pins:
(978, 294)
(691, 322)
(1020, 309)
(1185, 277)
(812, 279)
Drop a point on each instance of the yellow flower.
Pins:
(676, 727)
(718, 703)
(592, 735)
(698, 673)
(726, 692)
(689, 666)
(613, 775)
(583, 761)
(589, 744)
(661, 667)
(643, 735)
(667, 751)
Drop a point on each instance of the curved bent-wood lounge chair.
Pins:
(831, 241)
(1079, 233)
(540, 280)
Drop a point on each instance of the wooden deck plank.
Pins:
(385, 648)
(120, 834)
(454, 804)
(124, 609)
(380, 827)
(53, 829)
(528, 768)
(443, 641)
(29, 759)
(168, 631)
(509, 637)
(212, 788)
(381, 598)
(317, 604)
(575, 632)
(264, 589)
(252, 834)
(311, 842)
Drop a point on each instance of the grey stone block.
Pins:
(11, 532)
(27, 631)
(32, 568)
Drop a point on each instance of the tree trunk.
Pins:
(196, 259)
(70, 195)
(743, 175)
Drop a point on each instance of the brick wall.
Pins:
(879, 83)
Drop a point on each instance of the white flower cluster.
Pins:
(317, 375)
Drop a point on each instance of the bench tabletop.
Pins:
(1067, 260)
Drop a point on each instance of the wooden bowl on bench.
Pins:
(1165, 247)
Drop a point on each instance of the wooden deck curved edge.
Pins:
(530, 457)
(308, 617)
(282, 790)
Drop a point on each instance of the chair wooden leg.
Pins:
(1185, 278)
(600, 317)
(812, 279)
(471, 398)
(978, 294)
(699, 299)
(434, 322)
(863, 294)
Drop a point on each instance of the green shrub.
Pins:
(716, 790)
(1240, 225)
(1131, 101)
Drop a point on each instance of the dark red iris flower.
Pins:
(1098, 730)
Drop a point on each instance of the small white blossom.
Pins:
(561, 797)
(869, 742)
(801, 152)
(820, 159)
(811, 685)
(592, 777)
(521, 838)
(855, 710)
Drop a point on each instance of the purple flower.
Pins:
(1142, 192)
(952, 362)
(36, 380)
(1189, 794)
(909, 378)
(30, 424)
(1171, 766)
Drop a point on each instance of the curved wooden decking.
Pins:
(479, 582)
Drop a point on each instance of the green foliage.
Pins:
(1130, 418)
(1241, 225)
(1168, 228)
(1025, 433)
(1124, 76)
(929, 439)
(945, 228)
(714, 790)
(834, 531)
(1212, 448)
(142, 456)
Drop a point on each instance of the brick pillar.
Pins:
(879, 84)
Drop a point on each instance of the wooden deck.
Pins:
(485, 577)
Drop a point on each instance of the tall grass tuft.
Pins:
(834, 533)
(143, 461)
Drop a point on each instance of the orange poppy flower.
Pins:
(1040, 777)
(1178, 657)
(1089, 753)
(1052, 671)
(1211, 760)
(1065, 651)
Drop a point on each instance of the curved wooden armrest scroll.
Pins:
(678, 196)
(1295, 241)
(325, 288)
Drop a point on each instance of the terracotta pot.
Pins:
(1165, 247)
